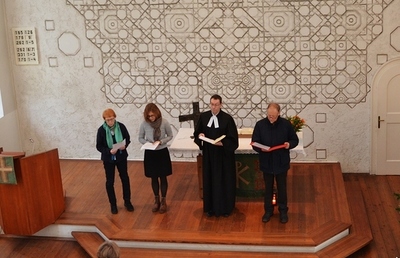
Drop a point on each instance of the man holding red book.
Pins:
(274, 131)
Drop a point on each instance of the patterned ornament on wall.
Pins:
(296, 53)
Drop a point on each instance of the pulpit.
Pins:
(36, 199)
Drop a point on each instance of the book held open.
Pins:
(149, 146)
(267, 148)
(206, 139)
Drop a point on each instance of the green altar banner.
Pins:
(7, 172)
(249, 178)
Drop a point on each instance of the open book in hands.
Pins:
(150, 145)
(206, 139)
(267, 148)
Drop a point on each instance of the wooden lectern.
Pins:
(37, 200)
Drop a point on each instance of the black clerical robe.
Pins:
(219, 168)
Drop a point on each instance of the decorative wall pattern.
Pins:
(316, 58)
(297, 53)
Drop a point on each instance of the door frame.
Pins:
(374, 114)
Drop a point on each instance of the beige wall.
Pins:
(9, 128)
(92, 58)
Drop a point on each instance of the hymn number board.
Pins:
(25, 48)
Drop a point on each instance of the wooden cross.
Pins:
(4, 170)
(194, 116)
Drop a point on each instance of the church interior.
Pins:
(333, 64)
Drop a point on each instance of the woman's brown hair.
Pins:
(151, 107)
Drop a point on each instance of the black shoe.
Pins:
(129, 206)
(210, 213)
(114, 209)
(283, 217)
(226, 215)
(266, 217)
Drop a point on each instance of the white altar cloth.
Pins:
(183, 142)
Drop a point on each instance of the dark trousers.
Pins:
(122, 167)
(281, 194)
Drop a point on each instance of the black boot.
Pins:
(129, 206)
(267, 216)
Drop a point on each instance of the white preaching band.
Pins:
(215, 120)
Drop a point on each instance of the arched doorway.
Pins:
(386, 119)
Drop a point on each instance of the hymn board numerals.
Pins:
(25, 47)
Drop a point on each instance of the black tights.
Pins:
(155, 185)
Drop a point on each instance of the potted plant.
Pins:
(297, 122)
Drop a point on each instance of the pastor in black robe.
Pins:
(219, 167)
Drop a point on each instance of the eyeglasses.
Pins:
(150, 116)
(215, 105)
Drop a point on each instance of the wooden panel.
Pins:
(37, 199)
(90, 241)
(13, 204)
(46, 199)
(28, 247)
(360, 230)
(1, 220)
(15, 155)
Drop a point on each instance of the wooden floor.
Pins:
(313, 213)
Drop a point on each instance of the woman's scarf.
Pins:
(156, 126)
(117, 133)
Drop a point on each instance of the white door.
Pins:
(386, 119)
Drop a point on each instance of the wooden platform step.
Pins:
(90, 241)
(360, 235)
(360, 231)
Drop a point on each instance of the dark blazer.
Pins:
(102, 147)
(273, 134)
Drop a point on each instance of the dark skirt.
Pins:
(157, 163)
